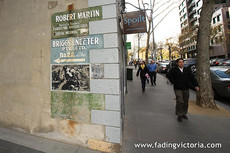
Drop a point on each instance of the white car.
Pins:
(162, 67)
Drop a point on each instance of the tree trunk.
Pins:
(147, 49)
(205, 94)
(170, 52)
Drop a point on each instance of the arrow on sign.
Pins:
(69, 60)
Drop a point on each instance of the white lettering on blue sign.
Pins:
(74, 49)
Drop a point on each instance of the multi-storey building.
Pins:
(189, 19)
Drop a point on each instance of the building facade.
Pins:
(62, 70)
(189, 11)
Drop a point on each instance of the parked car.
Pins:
(213, 61)
(162, 67)
(220, 77)
(224, 62)
(189, 62)
(170, 66)
(217, 61)
(220, 61)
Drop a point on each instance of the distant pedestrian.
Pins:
(180, 77)
(143, 71)
(135, 64)
(152, 72)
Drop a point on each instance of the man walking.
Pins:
(180, 77)
(152, 72)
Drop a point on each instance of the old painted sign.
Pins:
(74, 23)
(134, 22)
(74, 49)
(70, 77)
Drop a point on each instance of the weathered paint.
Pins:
(74, 23)
(74, 49)
(97, 71)
(75, 106)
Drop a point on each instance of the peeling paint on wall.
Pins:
(75, 106)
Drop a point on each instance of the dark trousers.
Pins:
(143, 82)
(182, 97)
(153, 76)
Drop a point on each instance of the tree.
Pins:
(217, 35)
(172, 46)
(205, 96)
(160, 52)
(150, 20)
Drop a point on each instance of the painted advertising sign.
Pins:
(70, 77)
(74, 23)
(74, 49)
(134, 22)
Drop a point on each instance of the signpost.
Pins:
(134, 22)
(128, 45)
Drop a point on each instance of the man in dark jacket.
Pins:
(180, 77)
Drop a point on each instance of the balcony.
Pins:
(189, 2)
(191, 5)
(192, 12)
(193, 20)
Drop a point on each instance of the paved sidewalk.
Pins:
(17, 142)
(150, 118)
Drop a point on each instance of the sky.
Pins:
(168, 27)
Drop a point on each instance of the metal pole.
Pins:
(138, 47)
(154, 49)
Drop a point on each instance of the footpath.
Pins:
(18, 142)
(151, 125)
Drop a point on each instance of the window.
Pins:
(228, 25)
(218, 18)
(227, 15)
(198, 12)
(219, 28)
(181, 19)
(212, 42)
(185, 15)
(223, 74)
(214, 20)
(197, 4)
(220, 1)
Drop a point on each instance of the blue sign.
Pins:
(74, 49)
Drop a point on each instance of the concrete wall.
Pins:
(25, 93)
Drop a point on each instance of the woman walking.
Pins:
(143, 70)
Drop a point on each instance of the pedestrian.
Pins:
(135, 64)
(180, 77)
(152, 72)
(143, 71)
